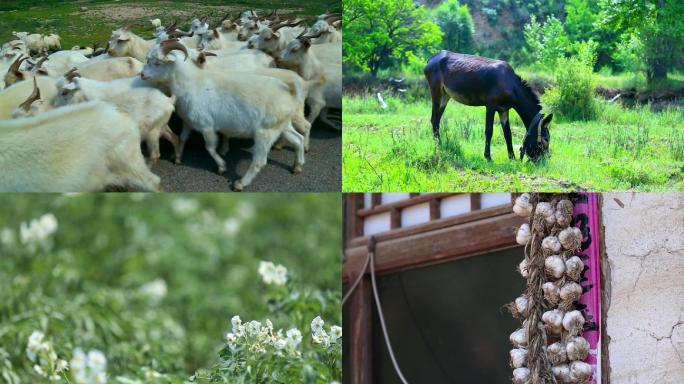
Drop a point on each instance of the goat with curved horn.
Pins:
(35, 95)
(16, 64)
(69, 76)
(41, 61)
(170, 45)
(171, 27)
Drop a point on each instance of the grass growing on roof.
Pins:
(393, 149)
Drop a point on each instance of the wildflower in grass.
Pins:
(155, 289)
(231, 226)
(335, 333)
(90, 368)
(317, 324)
(294, 337)
(38, 230)
(35, 344)
(272, 274)
(184, 207)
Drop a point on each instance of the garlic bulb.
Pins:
(551, 245)
(564, 213)
(519, 338)
(546, 211)
(580, 371)
(574, 267)
(562, 373)
(570, 238)
(557, 353)
(569, 293)
(577, 348)
(523, 236)
(518, 357)
(521, 306)
(553, 321)
(551, 292)
(521, 376)
(573, 322)
(522, 206)
(554, 266)
(522, 268)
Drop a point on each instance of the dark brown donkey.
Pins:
(478, 81)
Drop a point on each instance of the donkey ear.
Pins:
(547, 120)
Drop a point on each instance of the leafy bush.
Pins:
(457, 25)
(572, 97)
(547, 42)
(140, 288)
(629, 55)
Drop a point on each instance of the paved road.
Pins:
(198, 173)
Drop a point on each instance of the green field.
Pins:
(393, 150)
(152, 281)
(96, 24)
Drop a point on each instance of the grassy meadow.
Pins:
(102, 16)
(393, 149)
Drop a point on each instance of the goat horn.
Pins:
(225, 18)
(170, 45)
(301, 35)
(35, 95)
(69, 76)
(41, 61)
(253, 13)
(171, 27)
(16, 64)
(314, 36)
(209, 54)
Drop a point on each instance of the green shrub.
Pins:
(457, 24)
(572, 98)
(547, 42)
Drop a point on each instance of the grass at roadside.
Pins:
(393, 149)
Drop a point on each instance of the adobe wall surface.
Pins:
(645, 321)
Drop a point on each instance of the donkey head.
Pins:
(537, 138)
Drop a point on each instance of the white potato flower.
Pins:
(184, 206)
(317, 324)
(155, 289)
(35, 344)
(97, 361)
(294, 337)
(38, 230)
(335, 333)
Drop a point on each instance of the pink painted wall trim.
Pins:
(586, 215)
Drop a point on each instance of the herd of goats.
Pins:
(73, 120)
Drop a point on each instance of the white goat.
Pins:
(327, 90)
(13, 96)
(156, 23)
(326, 32)
(61, 62)
(148, 107)
(110, 69)
(80, 148)
(126, 43)
(273, 40)
(244, 106)
(87, 51)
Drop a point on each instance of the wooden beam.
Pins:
(395, 218)
(358, 317)
(435, 206)
(401, 204)
(376, 200)
(439, 245)
(475, 201)
(353, 225)
(433, 225)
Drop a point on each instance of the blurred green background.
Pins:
(83, 286)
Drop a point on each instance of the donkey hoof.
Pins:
(297, 169)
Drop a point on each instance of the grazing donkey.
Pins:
(478, 81)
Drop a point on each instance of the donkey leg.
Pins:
(489, 127)
(506, 126)
(439, 103)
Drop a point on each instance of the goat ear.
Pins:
(42, 71)
(216, 33)
(124, 37)
(306, 43)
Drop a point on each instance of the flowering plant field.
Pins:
(170, 289)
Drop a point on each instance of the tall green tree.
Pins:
(659, 25)
(580, 19)
(457, 25)
(384, 33)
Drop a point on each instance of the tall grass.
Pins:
(622, 148)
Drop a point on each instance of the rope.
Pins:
(370, 259)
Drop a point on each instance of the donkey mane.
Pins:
(527, 88)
